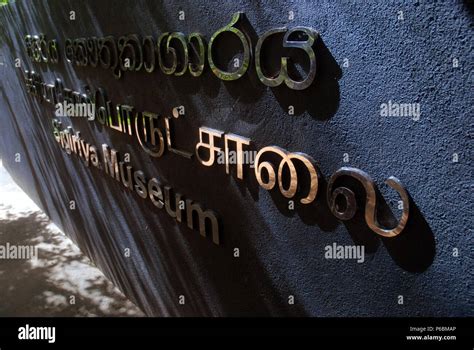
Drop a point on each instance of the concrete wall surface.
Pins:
(369, 53)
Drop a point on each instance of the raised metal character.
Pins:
(306, 45)
(159, 148)
(287, 161)
(347, 211)
(212, 134)
(196, 68)
(149, 63)
(221, 74)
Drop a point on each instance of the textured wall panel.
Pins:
(281, 251)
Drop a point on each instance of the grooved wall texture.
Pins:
(282, 251)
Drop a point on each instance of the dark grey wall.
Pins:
(282, 252)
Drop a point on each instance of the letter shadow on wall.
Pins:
(413, 249)
(315, 213)
(469, 4)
